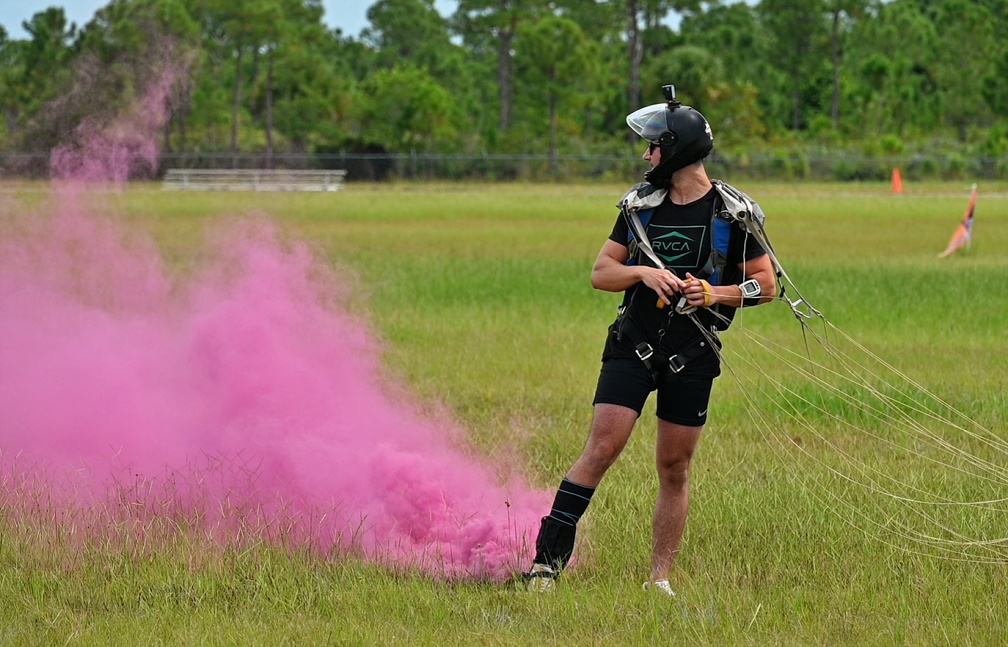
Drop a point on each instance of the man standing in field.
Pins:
(684, 266)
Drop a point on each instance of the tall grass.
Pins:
(481, 296)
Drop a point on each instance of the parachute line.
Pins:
(949, 498)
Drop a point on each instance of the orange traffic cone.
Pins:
(897, 183)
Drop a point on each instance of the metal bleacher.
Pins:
(252, 180)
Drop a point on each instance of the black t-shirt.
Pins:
(680, 235)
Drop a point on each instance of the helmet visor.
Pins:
(649, 122)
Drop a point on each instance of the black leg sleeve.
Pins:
(555, 543)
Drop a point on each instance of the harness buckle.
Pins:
(644, 351)
(677, 362)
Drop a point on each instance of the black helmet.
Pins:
(681, 132)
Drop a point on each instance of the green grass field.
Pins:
(481, 296)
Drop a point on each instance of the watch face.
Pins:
(750, 288)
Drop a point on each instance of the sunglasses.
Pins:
(652, 146)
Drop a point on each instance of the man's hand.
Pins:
(664, 282)
(698, 292)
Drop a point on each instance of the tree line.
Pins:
(787, 78)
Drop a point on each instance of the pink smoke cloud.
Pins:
(114, 370)
(114, 152)
(239, 395)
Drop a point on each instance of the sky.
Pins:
(348, 15)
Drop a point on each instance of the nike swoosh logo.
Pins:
(702, 413)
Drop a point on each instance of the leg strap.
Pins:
(646, 354)
(691, 350)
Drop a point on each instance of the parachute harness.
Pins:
(738, 208)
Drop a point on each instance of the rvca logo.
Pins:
(678, 246)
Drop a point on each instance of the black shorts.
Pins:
(682, 397)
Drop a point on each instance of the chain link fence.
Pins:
(375, 167)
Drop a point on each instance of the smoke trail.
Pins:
(239, 397)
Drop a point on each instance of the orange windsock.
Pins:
(964, 232)
(897, 182)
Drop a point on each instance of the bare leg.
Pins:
(675, 447)
(611, 427)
